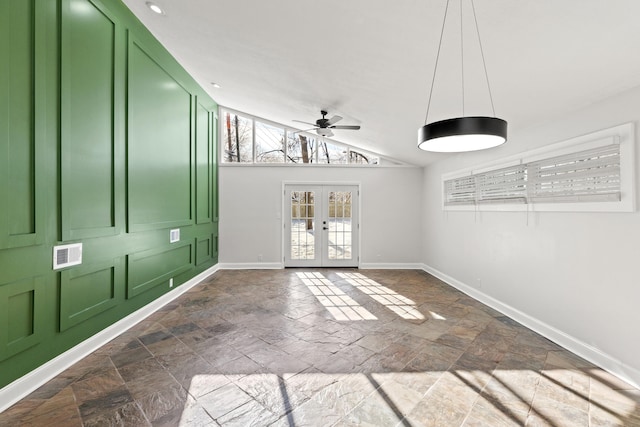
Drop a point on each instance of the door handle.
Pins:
(325, 228)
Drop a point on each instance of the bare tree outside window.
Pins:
(269, 143)
(332, 154)
(238, 139)
(301, 148)
(358, 158)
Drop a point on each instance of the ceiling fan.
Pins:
(324, 126)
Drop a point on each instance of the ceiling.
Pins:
(372, 62)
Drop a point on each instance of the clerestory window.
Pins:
(247, 139)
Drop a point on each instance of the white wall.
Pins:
(251, 205)
(574, 276)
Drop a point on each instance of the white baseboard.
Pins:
(390, 266)
(251, 265)
(279, 265)
(621, 370)
(23, 386)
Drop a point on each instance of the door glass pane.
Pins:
(339, 233)
(302, 225)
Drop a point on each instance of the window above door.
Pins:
(250, 140)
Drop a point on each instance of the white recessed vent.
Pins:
(174, 235)
(67, 255)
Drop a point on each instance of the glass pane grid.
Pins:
(340, 222)
(302, 225)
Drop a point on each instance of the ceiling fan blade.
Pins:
(333, 120)
(306, 123)
(350, 127)
(305, 130)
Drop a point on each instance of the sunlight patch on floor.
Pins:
(341, 306)
(437, 316)
(401, 305)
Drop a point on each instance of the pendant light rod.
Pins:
(462, 57)
(484, 64)
(435, 68)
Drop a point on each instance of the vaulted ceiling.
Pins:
(372, 61)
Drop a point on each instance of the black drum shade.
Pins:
(462, 134)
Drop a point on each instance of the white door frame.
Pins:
(284, 227)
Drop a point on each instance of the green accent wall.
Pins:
(104, 140)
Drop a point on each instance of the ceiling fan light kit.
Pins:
(461, 134)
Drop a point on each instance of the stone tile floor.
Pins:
(329, 347)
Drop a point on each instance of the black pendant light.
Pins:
(461, 133)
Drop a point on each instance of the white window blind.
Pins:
(507, 185)
(586, 176)
(460, 191)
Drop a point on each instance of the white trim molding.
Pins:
(610, 364)
(251, 265)
(23, 386)
(390, 266)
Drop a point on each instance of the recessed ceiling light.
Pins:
(215, 85)
(155, 8)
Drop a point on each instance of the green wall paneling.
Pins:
(22, 101)
(204, 182)
(92, 139)
(214, 250)
(21, 325)
(156, 266)
(104, 140)
(88, 290)
(204, 249)
(159, 145)
(214, 173)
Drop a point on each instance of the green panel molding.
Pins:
(203, 165)
(89, 290)
(92, 83)
(159, 179)
(204, 249)
(22, 326)
(20, 221)
(214, 173)
(153, 267)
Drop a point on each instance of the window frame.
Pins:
(624, 135)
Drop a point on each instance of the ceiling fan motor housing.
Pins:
(323, 122)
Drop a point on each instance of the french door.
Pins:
(321, 226)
